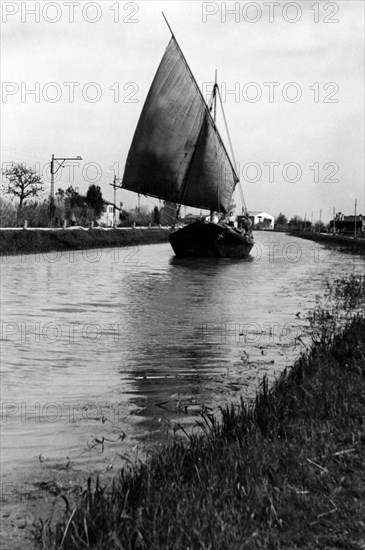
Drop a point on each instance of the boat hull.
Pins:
(210, 240)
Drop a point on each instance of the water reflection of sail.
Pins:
(169, 354)
(178, 155)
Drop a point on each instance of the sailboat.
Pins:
(178, 155)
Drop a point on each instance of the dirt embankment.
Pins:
(343, 243)
(14, 242)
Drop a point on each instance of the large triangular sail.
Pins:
(177, 154)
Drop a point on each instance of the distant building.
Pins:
(261, 220)
(107, 216)
(346, 224)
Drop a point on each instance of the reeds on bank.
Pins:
(287, 471)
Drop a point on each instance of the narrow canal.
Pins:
(103, 351)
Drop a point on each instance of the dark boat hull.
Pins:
(210, 240)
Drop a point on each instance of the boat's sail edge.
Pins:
(151, 174)
(214, 126)
(233, 167)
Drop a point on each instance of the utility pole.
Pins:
(214, 98)
(115, 186)
(320, 219)
(334, 224)
(139, 205)
(312, 221)
(355, 219)
(60, 162)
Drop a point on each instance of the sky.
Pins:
(75, 75)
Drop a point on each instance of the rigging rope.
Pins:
(232, 152)
(171, 216)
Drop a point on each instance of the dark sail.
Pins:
(210, 180)
(176, 153)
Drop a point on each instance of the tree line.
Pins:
(296, 223)
(24, 187)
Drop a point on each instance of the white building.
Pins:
(107, 217)
(261, 220)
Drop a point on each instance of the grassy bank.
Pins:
(286, 472)
(344, 244)
(32, 242)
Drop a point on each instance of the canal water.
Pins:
(105, 351)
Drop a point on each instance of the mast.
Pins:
(214, 98)
(168, 24)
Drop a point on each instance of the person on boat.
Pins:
(246, 225)
(231, 219)
(224, 219)
(215, 218)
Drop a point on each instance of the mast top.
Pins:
(168, 24)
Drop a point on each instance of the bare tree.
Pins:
(22, 182)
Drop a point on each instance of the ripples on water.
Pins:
(98, 344)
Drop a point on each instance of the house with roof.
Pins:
(261, 220)
(346, 224)
(107, 217)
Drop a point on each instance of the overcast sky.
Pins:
(298, 138)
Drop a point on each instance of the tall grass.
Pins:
(344, 298)
(284, 472)
(350, 291)
(8, 213)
